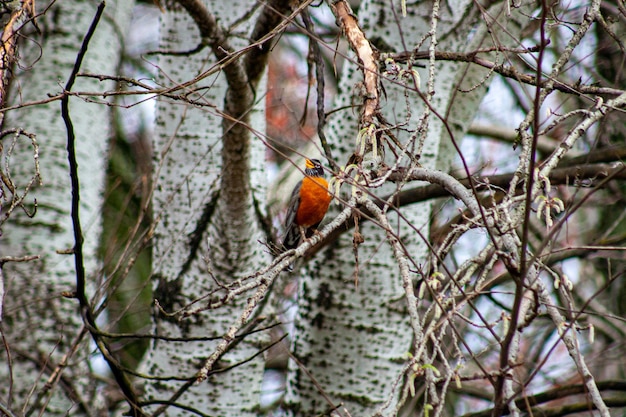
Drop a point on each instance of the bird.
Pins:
(308, 205)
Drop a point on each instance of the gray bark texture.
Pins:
(45, 360)
(357, 341)
(209, 170)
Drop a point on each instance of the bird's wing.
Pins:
(292, 234)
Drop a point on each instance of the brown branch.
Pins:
(506, 71)
(566, 391)
(8, 48)
(367, 56)
(57, 377)
(238, 101)
(273, 13)
(27, 258)
(527, 403)
(545, 144)
(242, 77)
(609, 154)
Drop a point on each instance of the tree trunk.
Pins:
(355, 339)
(42, 329)
(208, 173)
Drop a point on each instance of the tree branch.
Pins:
(8, 47)
(559, 411)
(368, 58)
(262, 283)
(505, 71)
(545, 144)
(213, 35)
(583, 175)
(87, 313)
(314, 49)
(265, 30)
(242, 77)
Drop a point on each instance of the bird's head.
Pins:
(314, 168)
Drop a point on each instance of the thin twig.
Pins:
(320, 83)
(263, 284)
(505, 71)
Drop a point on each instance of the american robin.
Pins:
(308, 205)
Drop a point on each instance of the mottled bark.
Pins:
(45, 337)
(209, 185)
(356, 339)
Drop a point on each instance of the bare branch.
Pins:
(367, 56)
(262, 284)
(86, 311)
(507, 71)
(8, 47)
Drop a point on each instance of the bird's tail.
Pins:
(292, 237)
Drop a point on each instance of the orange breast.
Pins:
(314, 201)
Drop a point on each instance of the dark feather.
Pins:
(292, 236)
